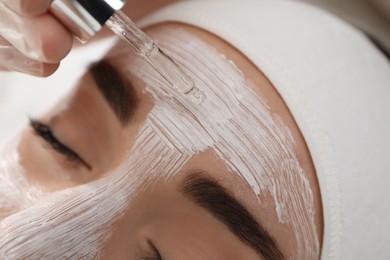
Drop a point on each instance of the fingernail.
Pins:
(31, 67)
(16, 61)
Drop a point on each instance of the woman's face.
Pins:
(127, 168)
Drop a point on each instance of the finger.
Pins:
(42, 38)
(13, 60)
(28, 7)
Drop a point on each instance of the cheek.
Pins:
(42, 167)
(16, 192)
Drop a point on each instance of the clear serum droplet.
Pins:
(197, 96)
(184, 85)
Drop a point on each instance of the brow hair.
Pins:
(118, 91)
(210, 195)
(379, 45)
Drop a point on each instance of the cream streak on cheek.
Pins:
(16, 193)
(238, 125)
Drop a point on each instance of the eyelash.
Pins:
(44, 131)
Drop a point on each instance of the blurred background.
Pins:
(370, 16)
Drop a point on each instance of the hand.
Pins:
(32, 41)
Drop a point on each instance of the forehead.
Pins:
(235, 122)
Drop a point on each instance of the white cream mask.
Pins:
(238, 126)
(234, 122)
(16, 193)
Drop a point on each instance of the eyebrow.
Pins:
(208, 194)
(117, 90)
(379, 45)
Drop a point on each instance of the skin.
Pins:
(170, 223)
(162, 214)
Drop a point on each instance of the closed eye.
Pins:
(44, 131)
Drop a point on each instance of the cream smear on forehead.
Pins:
(234, 122)
(238, 125)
